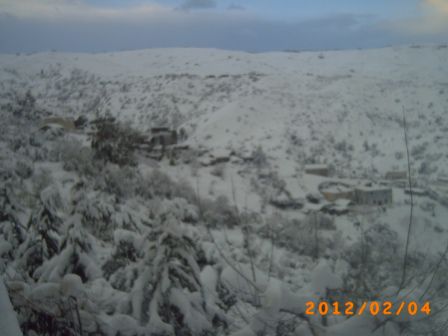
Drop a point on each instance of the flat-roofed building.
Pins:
(373, 196)
(163, 136)
(396, 175)
(335, 192)
(317, 169)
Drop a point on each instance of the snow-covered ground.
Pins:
(266, 116)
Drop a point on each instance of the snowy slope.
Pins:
(342, 108)
(234, 99)
(8, 319)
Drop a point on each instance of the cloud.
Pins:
(73, 9)
(432, 21)
(233, 6)
(439, 5)
(197, 4)
(225, 30)
(78, 27)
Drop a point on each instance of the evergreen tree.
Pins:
(75, 255)
(114, 142)
(42, 242)
(10, 224)
(169, 294)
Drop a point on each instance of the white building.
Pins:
(373, 196)
(317, 169)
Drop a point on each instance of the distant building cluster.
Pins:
(339, 193)
(160, 142)
(371, 195)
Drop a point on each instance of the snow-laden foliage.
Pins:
(42, 241)
(169, 295)
(97, 238)
(72, 236)
(113, 142)
(8, 320)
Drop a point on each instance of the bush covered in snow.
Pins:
(114, 142)
(76, 157)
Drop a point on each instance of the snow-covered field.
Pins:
(199, 243)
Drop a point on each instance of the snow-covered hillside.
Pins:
(327, 101)
(233, 231)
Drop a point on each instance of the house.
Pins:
(337, 192)
(217, 156)
(164, 142)
(163, 136)
(340, 207)
(333, 191)
(317, 169)
(67, 124)
(370, 195)
(396, 175)
(416, 192)
(314, 198)
(284, 201)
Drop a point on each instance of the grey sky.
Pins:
(198, 4)
(80, 26)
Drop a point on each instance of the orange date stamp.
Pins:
(324, 308)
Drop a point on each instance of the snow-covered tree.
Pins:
(8, 319)
(169, 295)
(114, 142)
(10, 227)
(76, 254)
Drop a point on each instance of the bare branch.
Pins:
(406, 251)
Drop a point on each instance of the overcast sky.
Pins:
(250, 25)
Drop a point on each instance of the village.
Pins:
(223, 188)
(330, 194)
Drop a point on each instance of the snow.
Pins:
(108, 299)
(8, 319)
(209, 279)
(341, 111)
(127, 236)
(323, 278)
(120, 324)
(316, 166)
(5, 246)
(192, 317)
(372, 188)
(45, 291)
(71, 285)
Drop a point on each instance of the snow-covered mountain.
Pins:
(253, 123)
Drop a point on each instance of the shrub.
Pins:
(374, 263)
(114, 142)
(417, 151)
(259, 158)
(23, 169)
(24, 105)
(41, 179)
(118, 181)
(219, 213)
(219, 170)
(75, 157)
